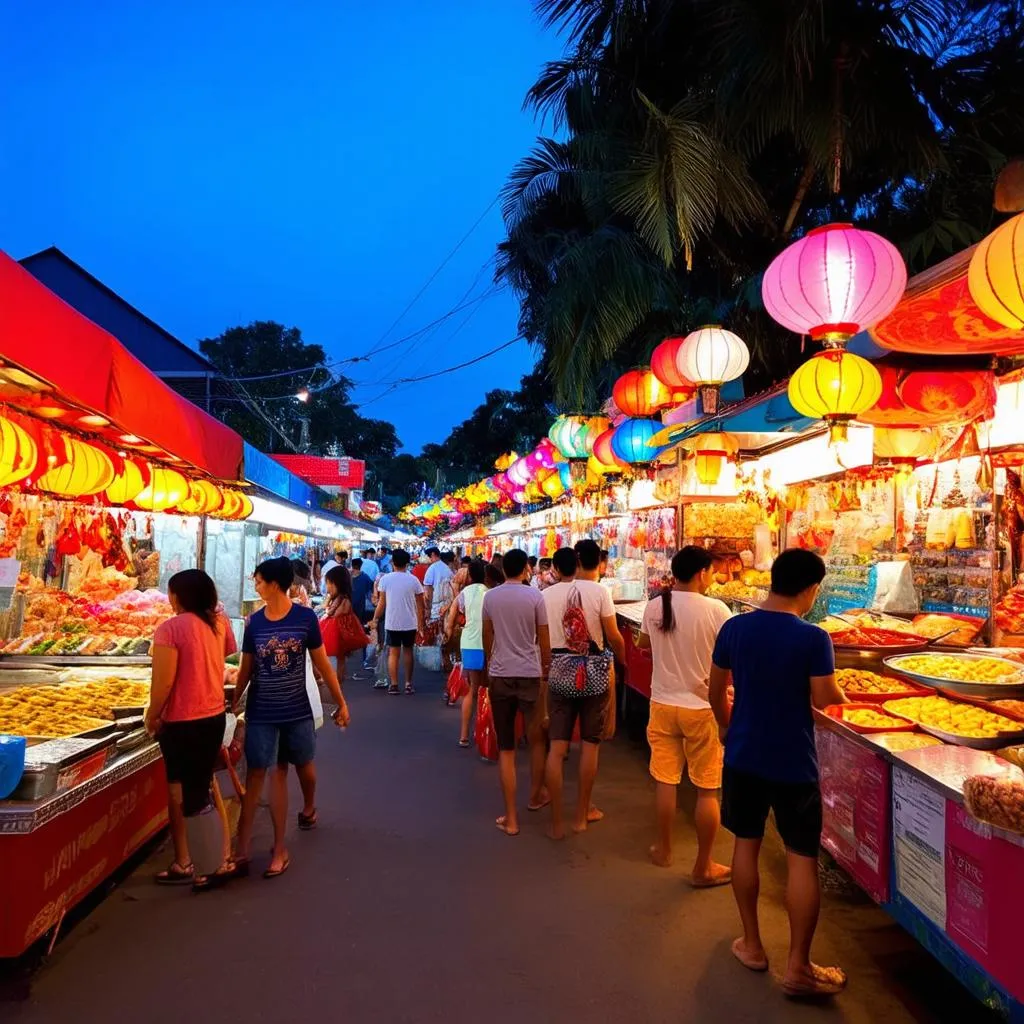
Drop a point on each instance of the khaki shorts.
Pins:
(685, 736)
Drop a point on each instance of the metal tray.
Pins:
(1004, 739)
(132, 740)
(56, 765)
(972, 689)
(64, 661)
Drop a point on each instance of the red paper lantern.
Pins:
(946, 394)
(666, 369)
(639, 394)
(604, 452)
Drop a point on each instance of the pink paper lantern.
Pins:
(521, 472)
(835, 281)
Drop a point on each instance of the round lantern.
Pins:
(630, 441)
(640, 393)
(709, 357)
(605, 454)
(594, 428)
(245, 508)
(905, 444)
(520, 472)
(88, 470)
(204, 498)
(569, 436)
(166, 488)
(565, 475)
(834, 282)
(946, 395)
(711, 452)
(18, 452)
(597, 468)
(239, 506)
(996, 274)
(665, 366)
(552, 486)
(128, 483)
(835, 386)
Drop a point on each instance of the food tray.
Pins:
(1004, 739)
(980, 702)
(57, 765)
(910, 690)
(837, 711)
(972, 689)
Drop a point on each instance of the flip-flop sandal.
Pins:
(751, 963)
(175, 874)
(463, 744)
(827, 981)
(410, 690)
(393, 691)
(207, 883)
(285, 864)
(711, 883)
(502, 827)
(308, 821)
(241, 867)
(539, 807)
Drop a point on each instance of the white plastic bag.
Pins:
(313, 692)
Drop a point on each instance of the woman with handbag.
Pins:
(343, 631)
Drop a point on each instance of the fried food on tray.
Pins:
(897, 741)
(855, 681)
(867, 718)
(960, 669)
(66, 710)
(954, 717)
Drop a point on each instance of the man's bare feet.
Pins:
(510, 829)
(662, 858)
(717, 874)
(593, 815)
(752, 959)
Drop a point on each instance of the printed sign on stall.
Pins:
(919, 831)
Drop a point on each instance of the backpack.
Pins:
(574, 624)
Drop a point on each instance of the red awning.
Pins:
(87, 367)
(321, 472)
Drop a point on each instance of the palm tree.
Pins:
(699, 134)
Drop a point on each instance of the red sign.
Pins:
(348, 474)
(984, 897)
(855, 797)
(49, 870)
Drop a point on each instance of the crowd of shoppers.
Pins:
(731, 703)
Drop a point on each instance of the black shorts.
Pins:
(401, 638)
(747, 799)
(509, 696)
(591, 712)
(190, 752)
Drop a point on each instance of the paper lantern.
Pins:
(833, 282)
(504, 461)
(709, 357)
(166, 488)
(996, 274)
(565, 475)
(594, 428)
(552, 486)
(239, 506)
(128, 483)
(569, 436)
(203, 499)
(605, 454)
(711, 451)
(905, 444)
(640, 393)
(520, 472)
(630, 441)
(835, 386)
(946, 395)
(88, 470)
(18, 452)
(665, 366)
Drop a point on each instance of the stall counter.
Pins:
(896, 822)
(638, 661)
(61, 848)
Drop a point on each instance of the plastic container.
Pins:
(12, 763)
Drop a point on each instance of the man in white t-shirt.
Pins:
(680, 626)
(401, 604)
(577, 572)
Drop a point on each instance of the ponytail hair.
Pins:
(686, 563)
(668, 622)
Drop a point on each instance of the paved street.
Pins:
(407, 905)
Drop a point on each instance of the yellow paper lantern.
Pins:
(552, 486)
(166, 488)
(245, 507)
(598, 468)
(127, 484)
(88, 470)
(835, 386)
(204, 498)
(18, 452)
(996, 274)
(711, 451)
(905, 444)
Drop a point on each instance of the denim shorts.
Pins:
(267, 744)
(472, 659)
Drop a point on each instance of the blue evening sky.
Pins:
(312, 162)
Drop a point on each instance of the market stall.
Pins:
(108, 482)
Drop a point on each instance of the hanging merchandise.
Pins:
(835, 386)
(710, 357)
(835, 281)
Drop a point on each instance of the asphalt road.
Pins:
(408, 905)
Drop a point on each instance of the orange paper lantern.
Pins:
(639, 394)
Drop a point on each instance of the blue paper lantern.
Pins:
(630, 439)
(565, 475)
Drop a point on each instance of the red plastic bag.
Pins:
(329, 634)
(483, 733)
(458, 684)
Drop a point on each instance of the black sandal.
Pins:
(393, 691)
(175, 874)
(307, 821)
(207, 883)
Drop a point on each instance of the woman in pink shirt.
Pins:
(186, 713)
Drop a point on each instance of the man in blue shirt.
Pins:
(370, 567)
(279, 726)
(780, 667)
